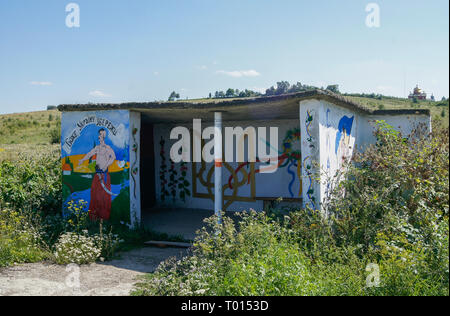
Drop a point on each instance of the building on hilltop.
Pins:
(418, 94)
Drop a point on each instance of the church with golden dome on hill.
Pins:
(418, 94)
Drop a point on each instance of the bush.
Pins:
(390, 212)
(28, 188)
(32, 187)
(19, 242)
(31, 184)
(76, 248)
(394, 207)
(394, 183)
(257, 259)
(55, 135)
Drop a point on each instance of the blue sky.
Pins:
(141, 50)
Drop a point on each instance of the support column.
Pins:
(135, 159)
(309, 127)
(218, 165)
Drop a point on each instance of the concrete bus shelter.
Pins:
(115, 157)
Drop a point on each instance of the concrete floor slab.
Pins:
(182, 222)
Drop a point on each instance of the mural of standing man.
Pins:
(100, 204)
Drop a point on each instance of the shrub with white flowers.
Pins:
(76, 248)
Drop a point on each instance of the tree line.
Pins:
(282, 87)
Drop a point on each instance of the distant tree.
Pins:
(173, 96)
(282, 87)
(229, 93)
(210, 96)
(333, 88)
(299, 87)
(443, 113)
(443, 99)
(415, 100)
(270, 91)
(296, 87)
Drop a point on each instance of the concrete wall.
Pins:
(316, 142)
(96, 176)
(338, 131)
(403, 123)
(331, 134)
(135, 154)
(310, 130)
(242, 192)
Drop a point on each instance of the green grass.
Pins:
(392, 103)
(439, 109)
(388, 235)
(28, 128)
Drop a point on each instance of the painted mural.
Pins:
(134, 167)
(244, 184)
(177, 186)
(342, 142)
(242, 180)
(339, 140)
(203, 179)
(308, 160)
(96, 163)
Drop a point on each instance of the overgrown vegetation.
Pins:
(19, 242)
(390, 215)
(32, 228)
(29, 128)
(392, 211)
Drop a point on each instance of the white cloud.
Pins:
(41, 83)
(258, 89)
(384, 89)
(202, 67)
(98, 94)
(239, 73)
(156, 73)
(120, 140)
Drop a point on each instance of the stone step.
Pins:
(164, 244)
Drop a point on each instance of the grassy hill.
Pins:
(29, 128)
(32, 133)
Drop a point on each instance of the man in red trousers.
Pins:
(100, 205)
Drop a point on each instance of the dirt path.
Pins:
(113, 278)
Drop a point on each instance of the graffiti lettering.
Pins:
(82, 124)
